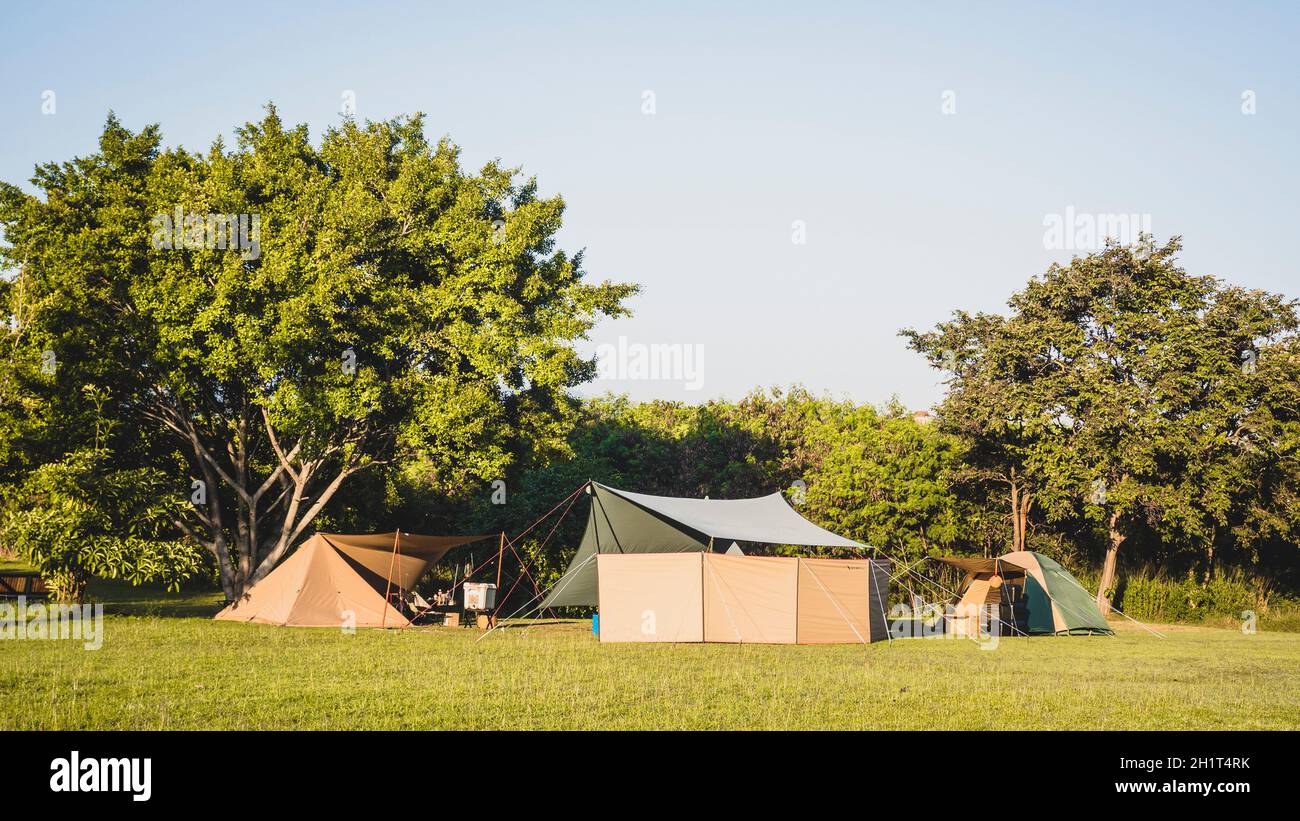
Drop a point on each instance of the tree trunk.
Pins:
(1209, 559)
(1026, 502)
(1016, 538)
(238, 510)
(1021, 502)
(1114, 539)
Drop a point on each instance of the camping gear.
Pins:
(622, 522)
(480, 596)
(1031, 593)
(712, 597)
(418, 603)
(337, 580)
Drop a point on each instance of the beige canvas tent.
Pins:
(336, 580)
(1025, 592)
(713, 597)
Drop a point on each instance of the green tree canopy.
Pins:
(286, 316)
(1124, 390)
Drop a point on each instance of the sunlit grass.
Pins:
(164, 665)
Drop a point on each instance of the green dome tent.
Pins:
(1034, 594)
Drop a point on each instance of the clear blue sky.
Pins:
(764, 115)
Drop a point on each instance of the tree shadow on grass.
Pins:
(121, 598)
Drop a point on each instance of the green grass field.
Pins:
(165, 665)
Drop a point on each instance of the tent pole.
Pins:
(501, 549)
(596, 497)
(570, 499)
(401, 598)
(501, 552)
(388, 586)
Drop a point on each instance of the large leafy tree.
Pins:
(888, 481)
(1134, 396)
(1002, 406)
(381, 306)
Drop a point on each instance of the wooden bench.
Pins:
(14, 584)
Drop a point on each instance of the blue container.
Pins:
(595, 624)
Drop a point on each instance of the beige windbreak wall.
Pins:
(835, 602)
(651, 597)
(750, 599)
(691, 597)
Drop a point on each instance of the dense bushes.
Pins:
(78, 518)
(1150, 596)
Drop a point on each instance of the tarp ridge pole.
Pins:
(388, 586)
(596, 500)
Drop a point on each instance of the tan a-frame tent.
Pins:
(337, 580)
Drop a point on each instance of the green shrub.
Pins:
(79, 518)
(1149, 595)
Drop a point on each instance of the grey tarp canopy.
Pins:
(625, 522)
